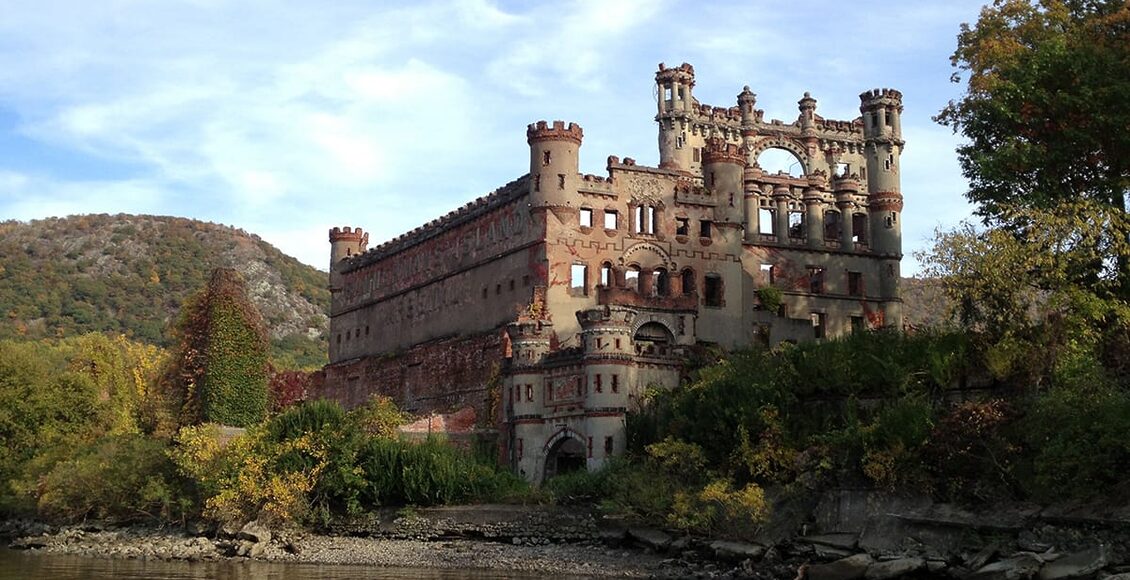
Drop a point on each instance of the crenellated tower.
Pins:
(882, 129)
(554, 162)
(676, 105)
(345, 242)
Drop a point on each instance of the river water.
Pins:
(23, 565)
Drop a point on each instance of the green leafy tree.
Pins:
(1045, 111)
(220, 371)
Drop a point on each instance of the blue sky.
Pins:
(285, 118)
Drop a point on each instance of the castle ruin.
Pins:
(551, 305)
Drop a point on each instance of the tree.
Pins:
(1045, 109)
(220, 370)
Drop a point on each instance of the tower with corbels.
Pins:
(883, 143)
(345, 242)
(554, 162)
(723, 167)
(676, 106)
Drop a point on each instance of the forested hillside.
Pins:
(129, 274)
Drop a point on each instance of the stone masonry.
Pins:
(551, 305)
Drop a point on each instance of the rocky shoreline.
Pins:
(845, 535)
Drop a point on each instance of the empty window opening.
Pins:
(616, 378)
(651, 223)
(680, 141)
(638, 225)
(697, 154)
(682, 226)
(662, 282)
(887, 118)
(688, 282)
(857, 324)
(843, 169)
(767, 274)
(855, 283)
(529, 393)
(608, 446)
(611, 219)
(833, 227)
(366, 330)
(586, 217)
(816, 279)
(537, 182)
(819, 328)
(484, 293)
(766, 220)
(704, 229)
(519, 448)
(545, 157)
(578, 274)
(498, 289)
(859, 228)
(632, 278)
(796, 224)
(511, 284)
(560, 181)
(598, 385)
(712, 286)
(606, 274)
(339, 338)
(667, 93)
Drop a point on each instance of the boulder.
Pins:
(894, 568)
(736, 551)
(254, 532)
(843, 541)
(850, 568)
(657, 540)
(1017, 567)
(1075, 565)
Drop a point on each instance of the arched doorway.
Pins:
(777, 159)
(566, 455)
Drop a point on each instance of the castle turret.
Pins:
(525, 400)
(345, 242)
(676, 104)
(882, 127)
(606, 340)
(554, 162)
(723, 167)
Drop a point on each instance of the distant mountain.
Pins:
(130, 274)
(924, 302)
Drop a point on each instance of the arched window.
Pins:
(632, 278)
(662, 282)
(606, 274)
(688, 282)
(778, 160)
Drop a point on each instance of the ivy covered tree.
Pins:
(1045, 112)
(220, 372)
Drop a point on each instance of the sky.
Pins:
(286, 118)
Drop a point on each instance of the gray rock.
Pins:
(894, 568)
(657, 540)
(1017, 567)
(850, 568)
(255, 532)
(1075, 565)
(737, 551)
(829, 553)
(843, 541)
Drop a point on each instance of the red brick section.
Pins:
(461, 421)
(434, 377)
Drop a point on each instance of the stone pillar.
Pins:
(752, 217)
(618, 277)
(814, 204)
(846, 231)
(675, 283)
(647, 282)
(663, 98)
(781, 197)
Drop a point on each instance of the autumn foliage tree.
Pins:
(220, 369)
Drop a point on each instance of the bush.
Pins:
(124, 478)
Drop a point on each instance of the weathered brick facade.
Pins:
(551, 305)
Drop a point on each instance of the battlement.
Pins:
(880, 97)
(348, 234)
(543, 131)
(719, 151)
(683, 73)
(464, 214)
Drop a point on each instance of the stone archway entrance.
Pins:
(566, 455)
(654, 333)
